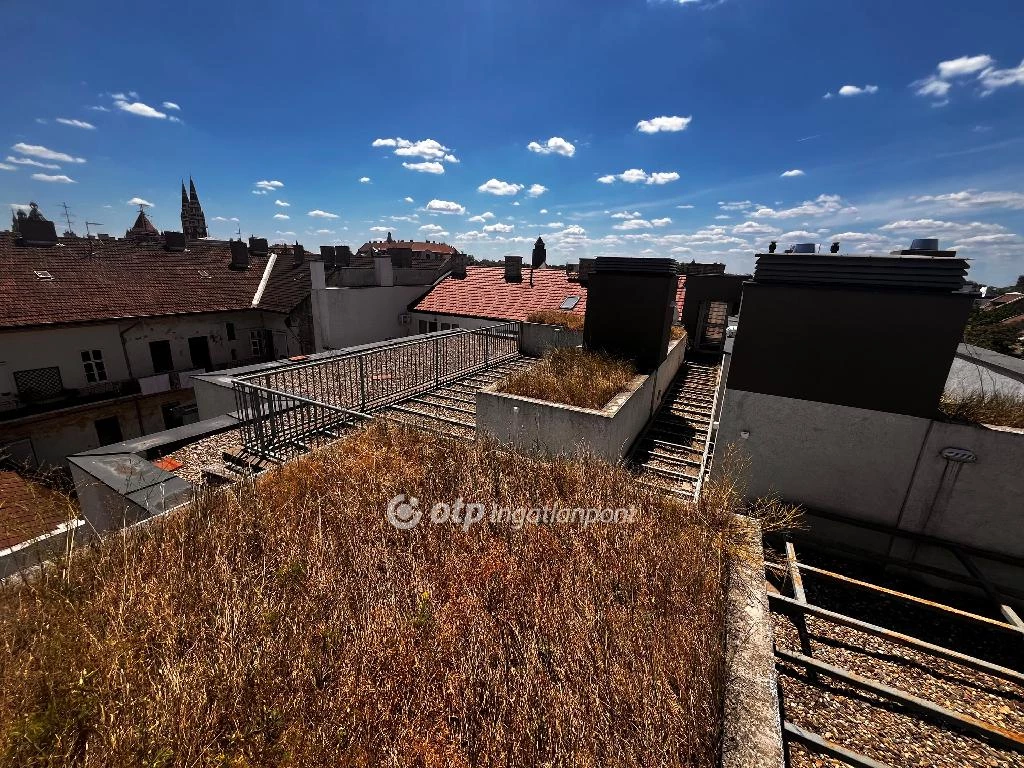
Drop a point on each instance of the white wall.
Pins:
(462, 322)
(346, 317)
(881, 467)
(61, 347)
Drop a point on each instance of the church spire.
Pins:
(193, 220)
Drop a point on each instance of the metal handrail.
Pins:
(355, 382)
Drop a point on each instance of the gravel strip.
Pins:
(878, 727)
(200, 454)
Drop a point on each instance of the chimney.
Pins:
(384, 270)
(327, 255)
(459, 266)
(298, 255)
(513, 269)
(239, 255)
(586, 270)
(174, 242)
(258, 246)
(342, 256)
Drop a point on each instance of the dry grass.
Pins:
(677, 333)
(571, 320)
(286, 623)
(573, 376)
(1002, 409)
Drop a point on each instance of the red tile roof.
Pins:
(413, 245)
(123, 279)
(485, 293)
(27, 510)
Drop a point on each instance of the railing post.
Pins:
(487, 347)
(437, 361)
(362, 384)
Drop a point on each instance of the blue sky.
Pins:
(626, 127)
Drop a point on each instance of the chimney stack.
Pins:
(298, 255)
(239, 255)
(327, 255)
(513, 269)
(459, 266)
(258, 246)
(586, 269)
(342, 256)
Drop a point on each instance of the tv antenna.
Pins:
(91, 224)
(67, 215)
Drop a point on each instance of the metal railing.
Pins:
(284, 408)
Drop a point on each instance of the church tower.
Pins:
(193, 220)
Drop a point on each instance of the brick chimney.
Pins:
(239, 254)
(459, 266)
(513, 269)
(586, 270)
(298, 255)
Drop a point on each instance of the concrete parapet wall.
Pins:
(538, 338)
(882, 467)
(556, 428)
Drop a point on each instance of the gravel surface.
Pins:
(207, 451)
(878, 727)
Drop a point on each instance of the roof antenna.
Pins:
(88, 234)
(67, 218)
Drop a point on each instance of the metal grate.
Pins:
(39, 383)
(284, 408)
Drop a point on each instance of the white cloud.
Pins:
(664, 124)
(820, 206)
(61, 179)
(988, 239)
(324, 232)
(379, 229)
(543, 210)
(970, 198)
(282, 216)
(555, 225)
(285, 234)
(790, 174)
(928, 227)
(685, 207)
(637, 175)
(536, 190)
(138, 108)
(663, 178)
(318, 214)
(28, 161)
(425, 167)
(482, 217)
(98, 108)
(630, 224)
(6, 167)
(171, 105)
(139, 201)
(723, 217)
(626, 215)
(857, 90)
(993, 79)
(409, 200)
(282, 204)
(574, 230)
(431, 229)
(425, 149)
(499, 227)
(736, 205)
(76, 123)
(364, 180)
(269, 186)
(36, 150)
(932, 87)
(755, 228)
(445, 206)
(664, 222)
(965, 65)
(500, 188)
(556, 145)
(799, 235)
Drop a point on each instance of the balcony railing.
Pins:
(286, 407)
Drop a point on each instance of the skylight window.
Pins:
(42, 274)
(569, 303)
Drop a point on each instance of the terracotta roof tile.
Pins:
(27, 510)
(413, 245)
(485, 293)
(122, 279)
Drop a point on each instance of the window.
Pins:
(423, 326)
(160, 352)
(569, 303)
(258, 342)
(432, 326)
(446, 326)
(108, 430)
(95, 370)
(231, 331)
(455, 326)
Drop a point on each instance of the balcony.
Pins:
(31, 402)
